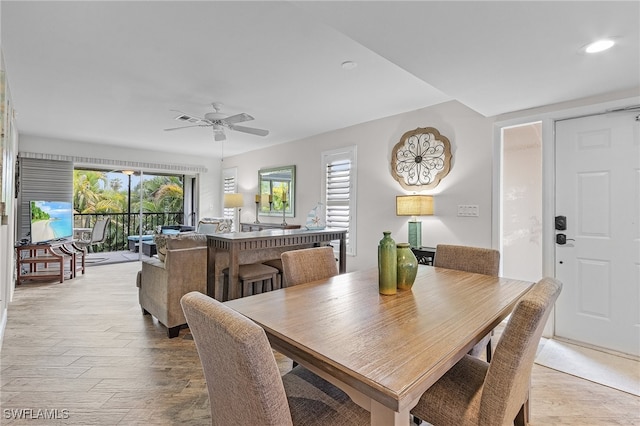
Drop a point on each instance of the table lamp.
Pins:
(414, 205)
(233, 200)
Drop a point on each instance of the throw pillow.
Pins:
(161, 245)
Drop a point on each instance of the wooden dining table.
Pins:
(383, 351)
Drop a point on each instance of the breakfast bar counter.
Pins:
(230, 250)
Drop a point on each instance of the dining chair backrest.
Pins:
(307, 265)
(240, 369)
(469, 259)
(506, 384)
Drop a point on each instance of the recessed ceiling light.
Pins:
(349, 65)
(599, 46)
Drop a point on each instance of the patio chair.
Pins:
(98, 236)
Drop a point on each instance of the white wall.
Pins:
(469, 181)
(209, 182)
(521, 249)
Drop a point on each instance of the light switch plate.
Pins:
(468, 210)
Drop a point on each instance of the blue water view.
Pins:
(62, 226)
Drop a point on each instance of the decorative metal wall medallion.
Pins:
(421, 159)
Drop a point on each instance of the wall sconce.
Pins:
(414, 205)
(233, 200)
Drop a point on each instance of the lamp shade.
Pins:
(414, 205)
(233, 200)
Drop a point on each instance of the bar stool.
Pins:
(250, 276)
(277, 263)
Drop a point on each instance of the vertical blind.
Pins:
(49, 180)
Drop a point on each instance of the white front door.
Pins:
(598, 191)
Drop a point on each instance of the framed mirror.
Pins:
(277, 190)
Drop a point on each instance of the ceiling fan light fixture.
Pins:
(219, 121)
(599, 46)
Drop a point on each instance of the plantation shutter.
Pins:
(229, 188)
(339, 184)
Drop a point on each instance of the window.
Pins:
(339, 192)
(229, 182)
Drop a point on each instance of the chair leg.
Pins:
(173, 331)
(489, 351)
(522, 418)
(246, 289)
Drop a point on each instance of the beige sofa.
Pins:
(181, 267)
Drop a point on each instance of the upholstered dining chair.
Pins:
(477, 393)
(243, 380)
(470, 259)
(306, 265)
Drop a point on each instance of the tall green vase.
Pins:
(387, 265)
(407, 266)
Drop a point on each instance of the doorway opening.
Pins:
(521, 201)
(132, 200)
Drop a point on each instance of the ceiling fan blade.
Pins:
(238, 118)
(186, 127)
(187, 117)
(251, 130)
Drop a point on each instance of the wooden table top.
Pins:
(390, 348)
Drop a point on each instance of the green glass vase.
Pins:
(407, 266)
(387, 265)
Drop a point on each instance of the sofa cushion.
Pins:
(186, 240)
(182, 240)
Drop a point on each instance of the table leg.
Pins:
(214, 284)
(385, 416)
(234, 254)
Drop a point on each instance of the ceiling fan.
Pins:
(218, 121)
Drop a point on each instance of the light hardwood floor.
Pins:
(82, 350)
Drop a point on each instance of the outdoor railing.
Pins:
(122, 225)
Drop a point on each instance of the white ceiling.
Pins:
(111, 72)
